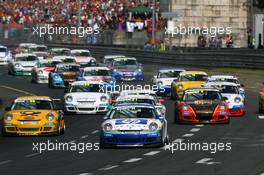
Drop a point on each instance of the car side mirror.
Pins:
(66, 90)
(155, 76)
(161, 117)
(224, 98)
(175, 80)
(162, 101)
(242, 85)
(109, 107)
(8, 109)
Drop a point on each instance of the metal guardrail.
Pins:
(215, 58)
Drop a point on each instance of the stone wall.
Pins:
(212, 13)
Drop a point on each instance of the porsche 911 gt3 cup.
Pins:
(40, 50)
(63, 75)
(164, 79)
(85, 97)
(133, 125)
(5, 55)
(22, 64)
(95, 74)
(126, 69)
(83, 57)
(59, 52)
(231, 92)
(40, 73)
(108, 59)
(148, 99)
(228, 78)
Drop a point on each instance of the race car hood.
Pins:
(138, 124)
(191, 84)
(80, 59)
(2, 54)
(40, 54)
(26, 63)
(68, 75)
(97, 78)
(166, 81)
(127, 69)
(31, 114)
(86, 96)
(203, 106)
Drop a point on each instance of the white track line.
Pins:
(83, 137)
(188, 135)
(204, 160)
(195, 130)
(109, 167)
(17, 90)
(85, 174)
(200, 125)
(151, 153)
(261, 117)
(31, 155)
(5, 162)
(132, 160)
(178, 140)
(94, 132)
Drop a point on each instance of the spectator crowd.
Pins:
(105, 14)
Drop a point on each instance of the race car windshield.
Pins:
(39, 49)
(146, 101)
(229, 90)
(196, 77)
(33, 104)
(86, 88)
(128, 62)
(202, 95)
(51, 64)
(3, 50)
(171, 74)
(26, 58)
(81, 54)
(68, 69)
(61, 52)
(134, 112)
(97, 73)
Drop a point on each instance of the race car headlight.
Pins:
(153, 126)
(107, 127)
(50, 117)
(69, 98)
(8, 117)
(185, 107)
(160, 83)
(180, 86)
(103, 98)
(40, 72)
(56, 77)
(17, 65)
(222, 107)
(237, 99)
(139, 70)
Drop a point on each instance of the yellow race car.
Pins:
(187, 80)
(33, 115)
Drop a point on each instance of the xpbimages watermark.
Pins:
(50, 146)
(191, 30)
(54, 30)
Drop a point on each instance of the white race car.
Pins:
(164, 79)
(64, 59)
(40, 73)
(231, 92)
(22, 64)
(228, 78)
(5, 55)
(134, 125)
(85, 97)
(148, 99)
(24, 47)
(40, 50)
(83, 57)
(95, 74)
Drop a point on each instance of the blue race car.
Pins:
(63, 75)
(133, 125)
(126, 69)
(164, 78)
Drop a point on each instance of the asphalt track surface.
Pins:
(245, 134)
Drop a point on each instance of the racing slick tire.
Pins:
(260, 110)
